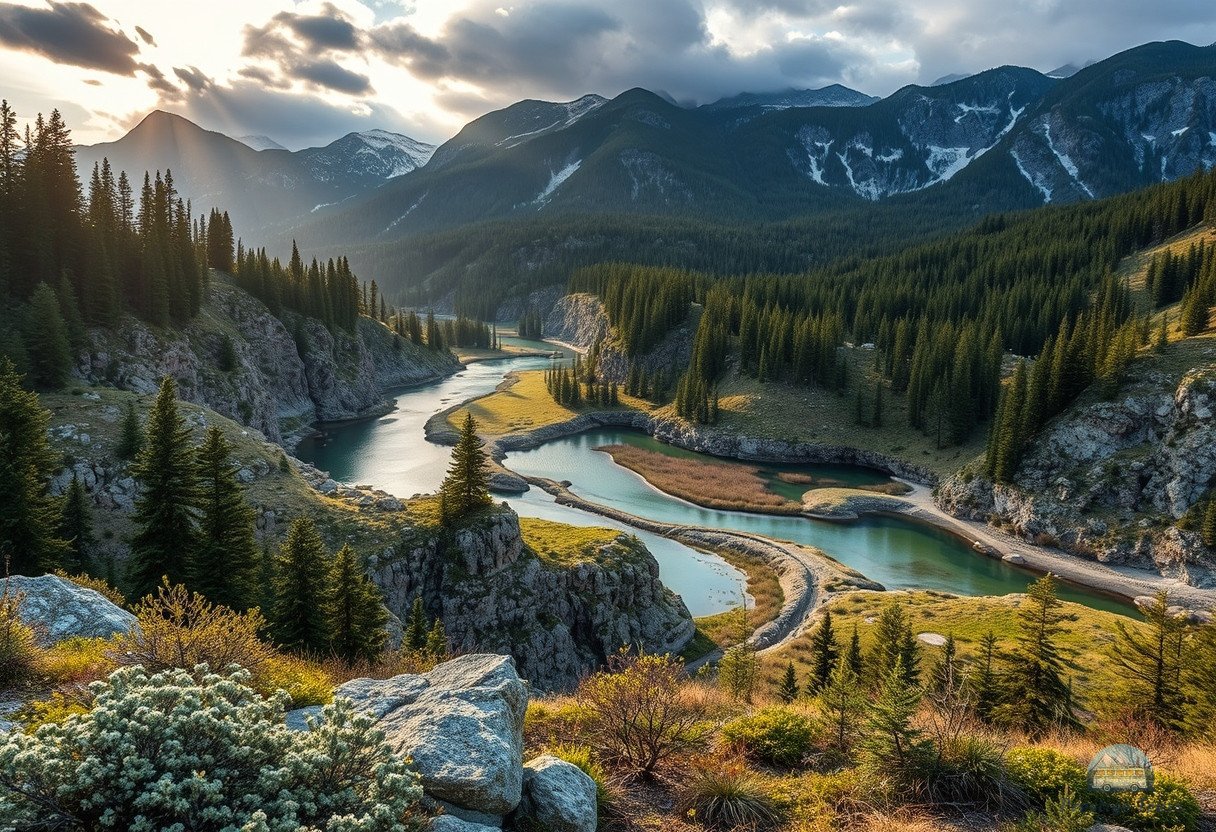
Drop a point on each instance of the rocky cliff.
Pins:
(283, 374)
(1119, 479)
(559, 620)
(579, 320)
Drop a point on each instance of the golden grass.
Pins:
(523, 403)
(557, 543)
(716, 484)
(764, 587)
(1087, 637)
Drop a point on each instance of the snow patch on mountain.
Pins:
(556, 178)
(408, 211)
(402, 153)
(967, 109)
(569, 113)
(1065, 161)
(946, 161)
(1035, 181)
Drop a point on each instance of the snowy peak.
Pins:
(260, 142)
(370, 156)
(834, 95)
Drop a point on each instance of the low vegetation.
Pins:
(559, 544)
(523, 403)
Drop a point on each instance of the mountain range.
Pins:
(1009, 137)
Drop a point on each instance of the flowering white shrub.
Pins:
(205, 753)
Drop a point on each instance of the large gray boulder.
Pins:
(558, 795)
(451, 823)
(462, 725)
(57, 609)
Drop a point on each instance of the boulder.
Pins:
(57, 609)
(451, 823)
(558, 796)
(461, 724)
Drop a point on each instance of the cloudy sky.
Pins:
(308, 72)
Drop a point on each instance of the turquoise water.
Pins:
(390, 453)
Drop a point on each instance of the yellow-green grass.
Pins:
(562, 545)
(467, 355)
(523, 403)
(707, 482)
(1085, 641)
(803, 414)
(849, 501)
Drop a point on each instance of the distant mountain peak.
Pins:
(1068, 70)
(259, 142)
(833, 95)
(950, 79)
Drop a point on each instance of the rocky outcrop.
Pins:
(577, 319)
(462, 726)
(57, 609)
(1112, 479)
(285, 372)
(559, 620)
(558, 796)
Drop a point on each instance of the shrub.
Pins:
(203, 752)
(181, 629)
(725, 794)
(1169, 806)
(1044, 773)
(77, 661)
(305, 682)
(19, 650)
(777, 736)
(57, 708)
(1064, 813)
(969, 770)
(553, 722)
(641, 713)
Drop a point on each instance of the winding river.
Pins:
(390, 453)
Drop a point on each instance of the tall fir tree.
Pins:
(298, 618)
(76, 527)
(1151, 664)
(894, 644)
(787, 690)
(824, 654)
(415, 630)
(131, 433)
(466, 487)
(854, 656)
(986, 691)
(845, 702)
(437, 640)
(355, 610)
(29, 515)
(166, 512)
(891, 745)
(47, 341)
(225, 565)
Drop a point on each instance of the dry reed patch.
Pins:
(730, 486)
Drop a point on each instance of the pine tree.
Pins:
(946, 672)
(131, 435)
(46, 340)
(29, 515)
(890, 745)
(225, 567)
(1036, 697)
(737, 671)
(416, 631)
(466, 487)
(354, 609)
(787, 691)
(894, 644)
(437, 640)
(166, 511)
(824, 653)
(298, 618)
(1208, 530)
(76, 527)
(986, 692)
(1152, 663)
(844, 701)
(854, 657)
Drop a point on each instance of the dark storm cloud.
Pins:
(68, 33)
(329, 30)
(331, 76)
(192, 77)
(147, 38)
(295, 119)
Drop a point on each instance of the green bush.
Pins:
(203, 751)
(19, 650)
(777, 736)
(1043, 773)
(970, 770)
(1169, 806)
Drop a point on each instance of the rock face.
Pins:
(287, 374)
(462, 725)
(558, 796)
(57, 608)
(1109, 479)
(558, 620)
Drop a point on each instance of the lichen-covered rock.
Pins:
(1109, 479)
(461, 723)
(558, 620)
(451, 823)
(57, 608)
(558, 796)
(289, 372)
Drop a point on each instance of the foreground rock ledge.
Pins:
(461, 723)
(57, 609)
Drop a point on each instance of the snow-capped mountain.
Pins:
(260, 142)
(373, 155)
(834, 95)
